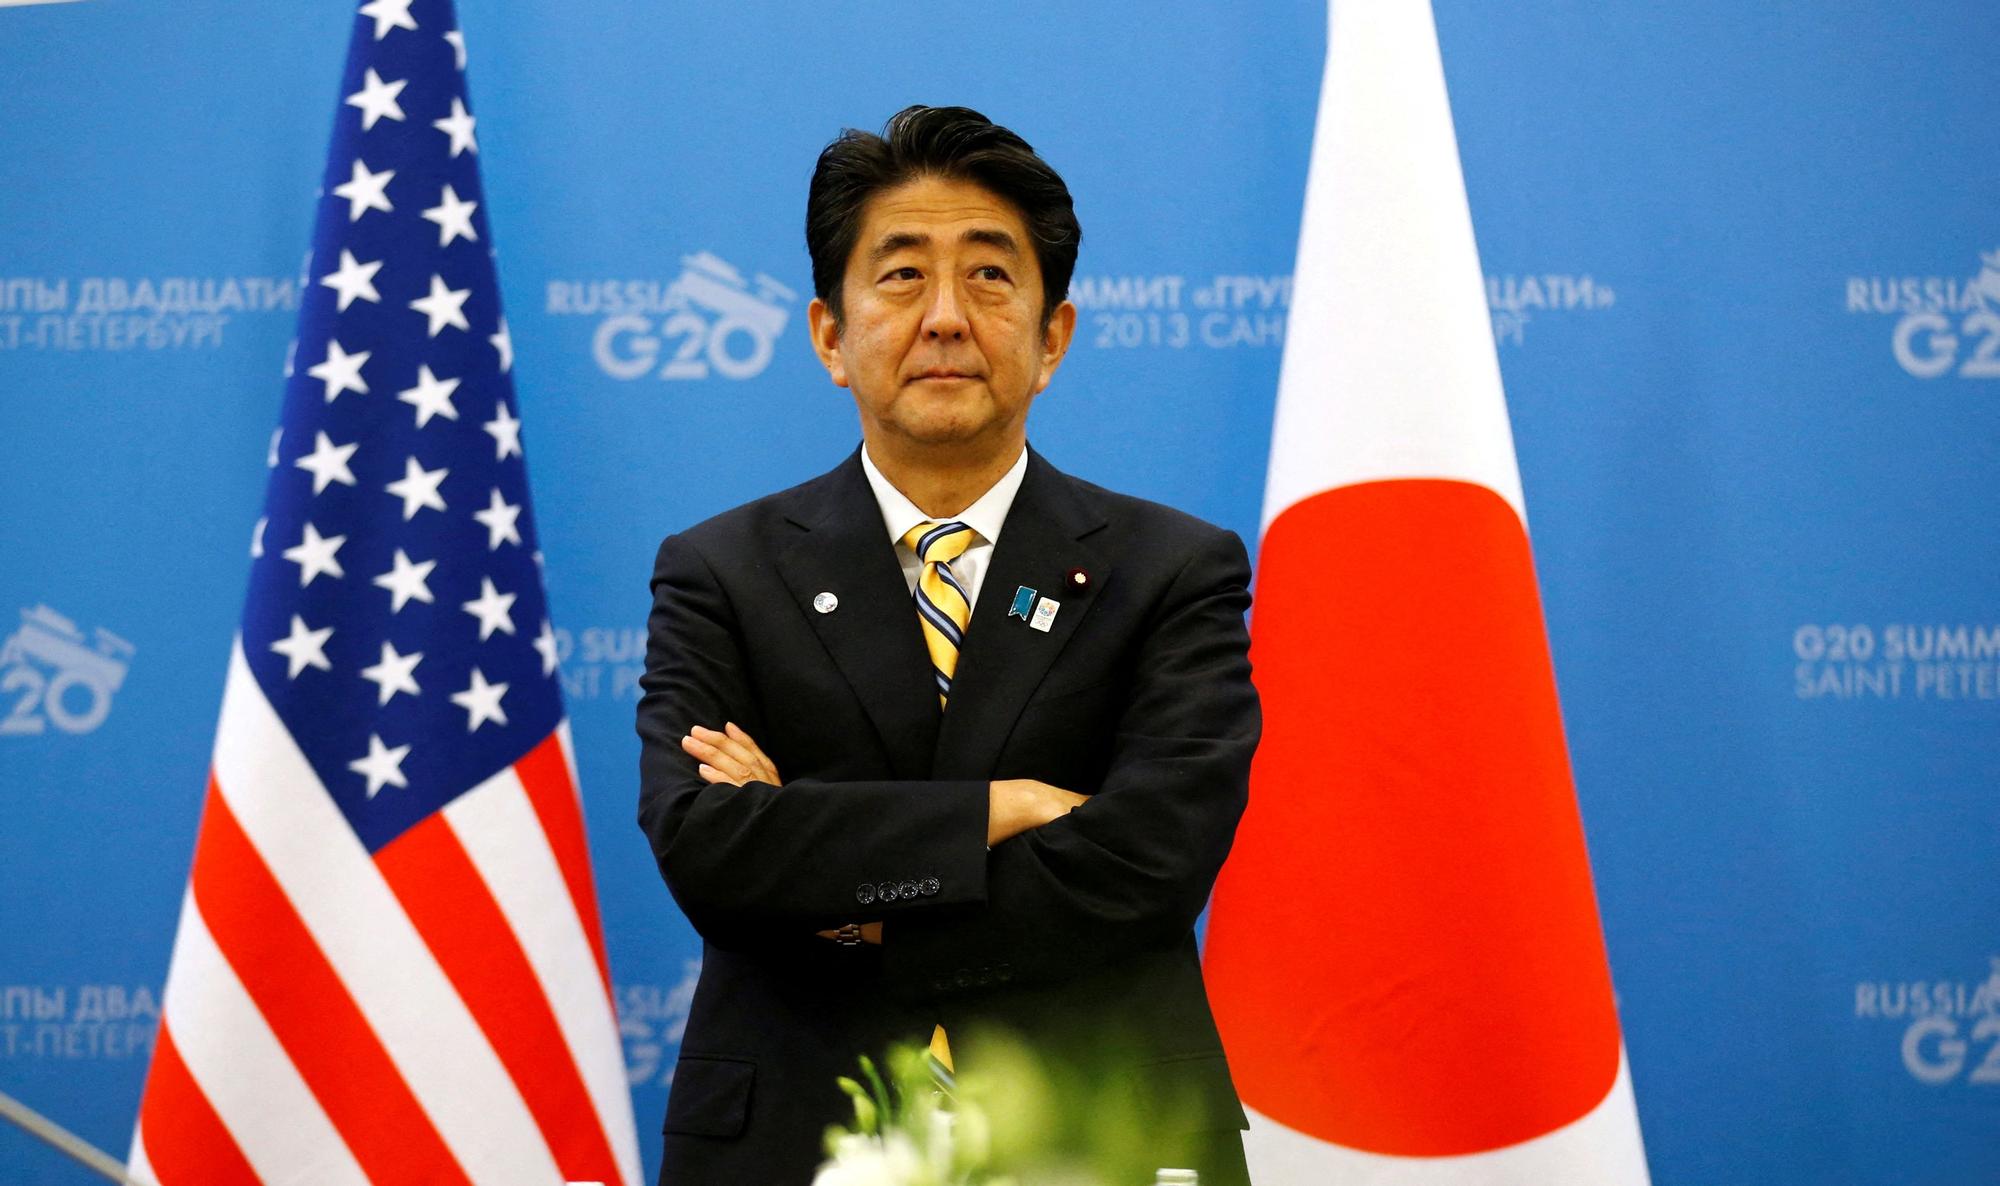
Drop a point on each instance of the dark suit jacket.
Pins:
(1139, 695)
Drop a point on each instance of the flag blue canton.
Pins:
(396, 618)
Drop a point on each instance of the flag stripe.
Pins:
(496, 824)
(394, 978)
(232, 1054)
(430, 873)
(190, 1144)
(550, 783)
(138, 1166)
(311, 1012)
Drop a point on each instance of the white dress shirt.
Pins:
(985, 516)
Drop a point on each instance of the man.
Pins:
(942, 738)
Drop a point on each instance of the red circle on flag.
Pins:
(1404, 953)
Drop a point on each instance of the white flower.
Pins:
(874, 1161)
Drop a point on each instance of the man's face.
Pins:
(942, 343)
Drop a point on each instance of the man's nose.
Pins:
(945, 317)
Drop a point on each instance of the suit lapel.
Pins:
(1004, 659)
(872, 635)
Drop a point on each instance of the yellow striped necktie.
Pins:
(943, 606)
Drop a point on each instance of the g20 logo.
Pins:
(718, 324)
(1926, 347)
(1937, 1050)
(55, 677)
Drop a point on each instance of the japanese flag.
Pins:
(1404, 951)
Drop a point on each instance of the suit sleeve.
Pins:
(1131, 869)
(758, 865)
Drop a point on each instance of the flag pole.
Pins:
(37, 1125)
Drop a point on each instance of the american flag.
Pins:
(389, 966)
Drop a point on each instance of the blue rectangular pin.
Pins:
(1024, 603)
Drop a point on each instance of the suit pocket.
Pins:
(710, 1097)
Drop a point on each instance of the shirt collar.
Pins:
(986, 515)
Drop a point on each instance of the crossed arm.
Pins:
(1013, 805)
(1053, 884)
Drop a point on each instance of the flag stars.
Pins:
(407, 582)
(392, 674)
(545, 646)
(377, 99)
(504, 344)
(481, 702)
(314, 555)
(353, 280)
(458, 125)
(506, 433)
(494, 609)
(418, 488)
(389, 14)
(327, 463)
(499, 520)
(341, 371)
(430, 397)
(257, 538)
(444, 306)
(453, 217)
(365, 191)
(457, 40)
(382, 767)
(304, 648)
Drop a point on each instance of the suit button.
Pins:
(907, 890)
(864, 894)
(886, 891)
(930, 887)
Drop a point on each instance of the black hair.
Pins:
(950, 142)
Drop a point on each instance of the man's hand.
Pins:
(871, 932)
(729, 756)
(1016, 805)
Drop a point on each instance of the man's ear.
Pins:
(825, 331)
(1055, 342)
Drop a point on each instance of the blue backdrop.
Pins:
(1745, 272)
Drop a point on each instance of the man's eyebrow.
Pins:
(896, 241)
(993, 237)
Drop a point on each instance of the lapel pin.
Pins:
(1077, 579)
(1024, 603)
(826, 603)
(1045, 614)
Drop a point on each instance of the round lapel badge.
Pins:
(826, 603)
